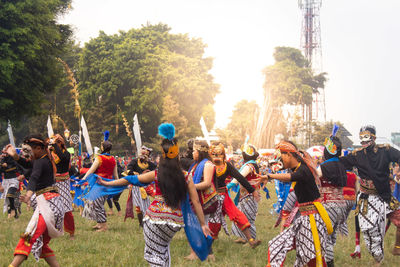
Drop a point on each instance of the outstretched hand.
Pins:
(10, 150)
(206, 230)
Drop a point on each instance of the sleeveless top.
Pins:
(106, 167)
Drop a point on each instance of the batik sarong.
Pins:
(7, 184)
(140, 198)
(157, 237)
(249, 206)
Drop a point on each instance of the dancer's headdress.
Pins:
(167, 130)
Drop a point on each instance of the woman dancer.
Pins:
(47, 219)
(248, 204)
(104, 166)
(225, 172)
(62, 159)
(203, 171)
(164, 216)
(308, 234)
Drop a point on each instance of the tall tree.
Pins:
(290, 81)
(242, 122)
(30, 41)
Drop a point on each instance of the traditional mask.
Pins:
(366, 138)
(276, 163)
(26, 151)
(217, 153)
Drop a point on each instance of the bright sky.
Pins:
(360, 46)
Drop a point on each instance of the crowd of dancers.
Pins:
(316, 195)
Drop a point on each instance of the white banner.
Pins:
(10, 134)
(85, 134)
(136, 132)
(49, 127)
(204, 130)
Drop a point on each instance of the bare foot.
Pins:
(377, 264)
(102, 229)
(396, 251)
(191, 257)
(97, 226)
(211, 257)
(254, 243)
(240, 241)
(72, 237)
(110, 213)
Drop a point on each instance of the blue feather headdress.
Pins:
(335, 129)
(106, 135)
(167, 130)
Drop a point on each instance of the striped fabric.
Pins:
(298, 236)
(57, 208)
(157, 238)
(138, 201)
(65, 194)
(94, 210)
(7, 184)
(249, 207)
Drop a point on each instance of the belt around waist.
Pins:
(62, 177)
(46, 189)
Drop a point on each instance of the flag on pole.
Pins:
(204, 130)
(86, 137)
(10, 134)
(136, 132)
(49, 127)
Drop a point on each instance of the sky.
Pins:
(360, 47)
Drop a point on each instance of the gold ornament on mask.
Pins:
(248, 149)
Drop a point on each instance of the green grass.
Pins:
(123, 244)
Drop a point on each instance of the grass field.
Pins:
(123, 244)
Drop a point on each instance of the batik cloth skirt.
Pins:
(226, 207)
(160, 224)
(140, 198)
(45, 224)
(343, 228)
(298, 236)
(337, 211)
(64, 189)
(372, 212)
(94, 210)
(7, 184)
(249, 207)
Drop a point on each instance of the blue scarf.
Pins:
(331, 160)
(198, 173)
(200, 244)
(237, 187)
(95, 190)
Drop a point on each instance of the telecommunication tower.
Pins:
(310, 42)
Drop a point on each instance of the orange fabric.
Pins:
(24, 249)
(69, 223)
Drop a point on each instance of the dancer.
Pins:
(47, 219)
(333, 178)
(203, 173)
(104, 166)
(164, 216)
(10, 185)
(375, 200)
(248, 204)
(225, 172)
(138, 195)
(62, 159)
(308, 233)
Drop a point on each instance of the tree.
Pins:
(290, 81)
(242, 123)
(142, 71)
(30, 42)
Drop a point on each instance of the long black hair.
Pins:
(171, 179)
(203, 154)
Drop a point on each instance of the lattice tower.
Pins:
(310, 42)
